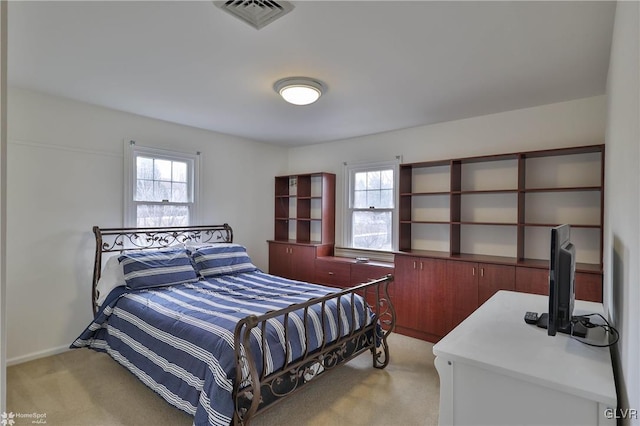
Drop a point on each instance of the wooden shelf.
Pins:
(551, 225)
(305, 208)
(567, 189)
(472, 226)
(436, 222)
(487, 191)
(589, 268)
(413, 194)
(304, 225)
(485, 223)
(478, 191)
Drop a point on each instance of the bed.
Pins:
(186, 311)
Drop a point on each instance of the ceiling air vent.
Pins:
(256, 13)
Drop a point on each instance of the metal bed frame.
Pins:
(254, 392)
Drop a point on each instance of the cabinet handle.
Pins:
(414, 264)
(421, 266)
(331, 273)
(482, 272)
(473, 271)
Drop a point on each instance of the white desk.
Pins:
(495, 369)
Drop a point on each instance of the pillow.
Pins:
(145, 269)
(110, 278)
(222, 259)
(192, 246)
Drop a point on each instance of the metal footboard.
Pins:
(254, 390)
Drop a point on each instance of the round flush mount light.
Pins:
(299, 90)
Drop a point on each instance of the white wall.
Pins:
(622, 200)
(574, 123)
(65, 175)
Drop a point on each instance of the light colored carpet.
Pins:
(83, 387)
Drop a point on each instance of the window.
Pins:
(161, 187)
(371, 206)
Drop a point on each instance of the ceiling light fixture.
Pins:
(299, 90)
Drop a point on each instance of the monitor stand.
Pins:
(576, 328)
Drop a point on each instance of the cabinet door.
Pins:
(407, 292)
(279, 260)
(433, 281)
(532, 280)
(589, 287)
(493, 278)
(419, 295)
(302, 261)
(462, 291)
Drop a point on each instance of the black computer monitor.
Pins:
(562, 272)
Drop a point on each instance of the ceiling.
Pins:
(387, 64)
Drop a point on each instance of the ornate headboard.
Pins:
(117, 240)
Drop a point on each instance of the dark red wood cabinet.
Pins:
(344, 272)
(487, 219)
(432, 296)
(493, 278)
(295, 261)
(419, 297)
(463, 291)
(588, 286)
(532, 280)
(332, 272)
(363, 272)
(304, 225)
(472, 284)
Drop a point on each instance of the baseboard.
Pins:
(432, 338)
(36, 355)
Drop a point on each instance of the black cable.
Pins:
(584, 320)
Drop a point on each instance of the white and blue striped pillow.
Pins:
(222, 259)
(146, 269)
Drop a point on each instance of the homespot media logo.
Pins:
(9, 419)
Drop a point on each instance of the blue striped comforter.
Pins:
(178, 340)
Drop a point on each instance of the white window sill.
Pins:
(375, 255)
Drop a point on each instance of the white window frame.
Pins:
(349, 183)
(132, 150)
